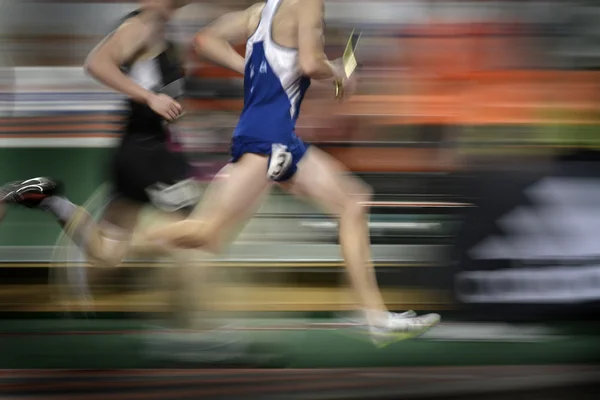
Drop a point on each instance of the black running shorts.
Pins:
(141, 162)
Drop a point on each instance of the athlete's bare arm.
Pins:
(105, 61)
(313, 61)
(216, 41)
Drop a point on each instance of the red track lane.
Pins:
(250, 383)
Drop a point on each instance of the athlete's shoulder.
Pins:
(311, 4)
(139, 22)
(254, 11)
(137, 27)
(256, 7)
(293, 3)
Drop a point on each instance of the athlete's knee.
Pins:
(357, 201)
(103, 260)
(211, 241)
(213, 237)
(194, 234)
(105, 248)
(364, 193)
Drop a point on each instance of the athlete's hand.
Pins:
(344, 85)
(165, 106)
(337, 66)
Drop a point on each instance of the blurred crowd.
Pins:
(431, 68)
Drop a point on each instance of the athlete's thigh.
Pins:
(212, 193)
(325, 181)
(236, 191)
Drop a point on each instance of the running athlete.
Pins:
(284, 51)
(136, 60)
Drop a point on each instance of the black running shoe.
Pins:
(29, 193)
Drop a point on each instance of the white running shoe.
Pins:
(361, 318)
(400, 327)
(405, 314)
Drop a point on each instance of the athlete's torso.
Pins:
(274, 86)
(161, 72)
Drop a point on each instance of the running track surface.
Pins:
(172, 384)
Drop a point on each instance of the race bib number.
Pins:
(280, 162)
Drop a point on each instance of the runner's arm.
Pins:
(216, 41)
(313, 61)
(105, 60)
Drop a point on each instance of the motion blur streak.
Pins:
(476, 123)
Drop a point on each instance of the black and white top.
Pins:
(161, 74)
